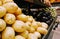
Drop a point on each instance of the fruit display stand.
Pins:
(21, 19)
(26, 6)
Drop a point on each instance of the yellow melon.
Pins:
(8, 33)
(19, 37)
(25, 34)
(42, 30)
(19, 26)
(2, 25)
(10, 7)
(2, 11)
(22, 17)
(19, 11)
(9, 18)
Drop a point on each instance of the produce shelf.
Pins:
(27, 5)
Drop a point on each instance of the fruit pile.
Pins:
(15, 25)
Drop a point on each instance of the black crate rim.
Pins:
(49, 29)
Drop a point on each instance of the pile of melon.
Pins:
(15, 25)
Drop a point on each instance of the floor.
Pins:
(55, 34)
